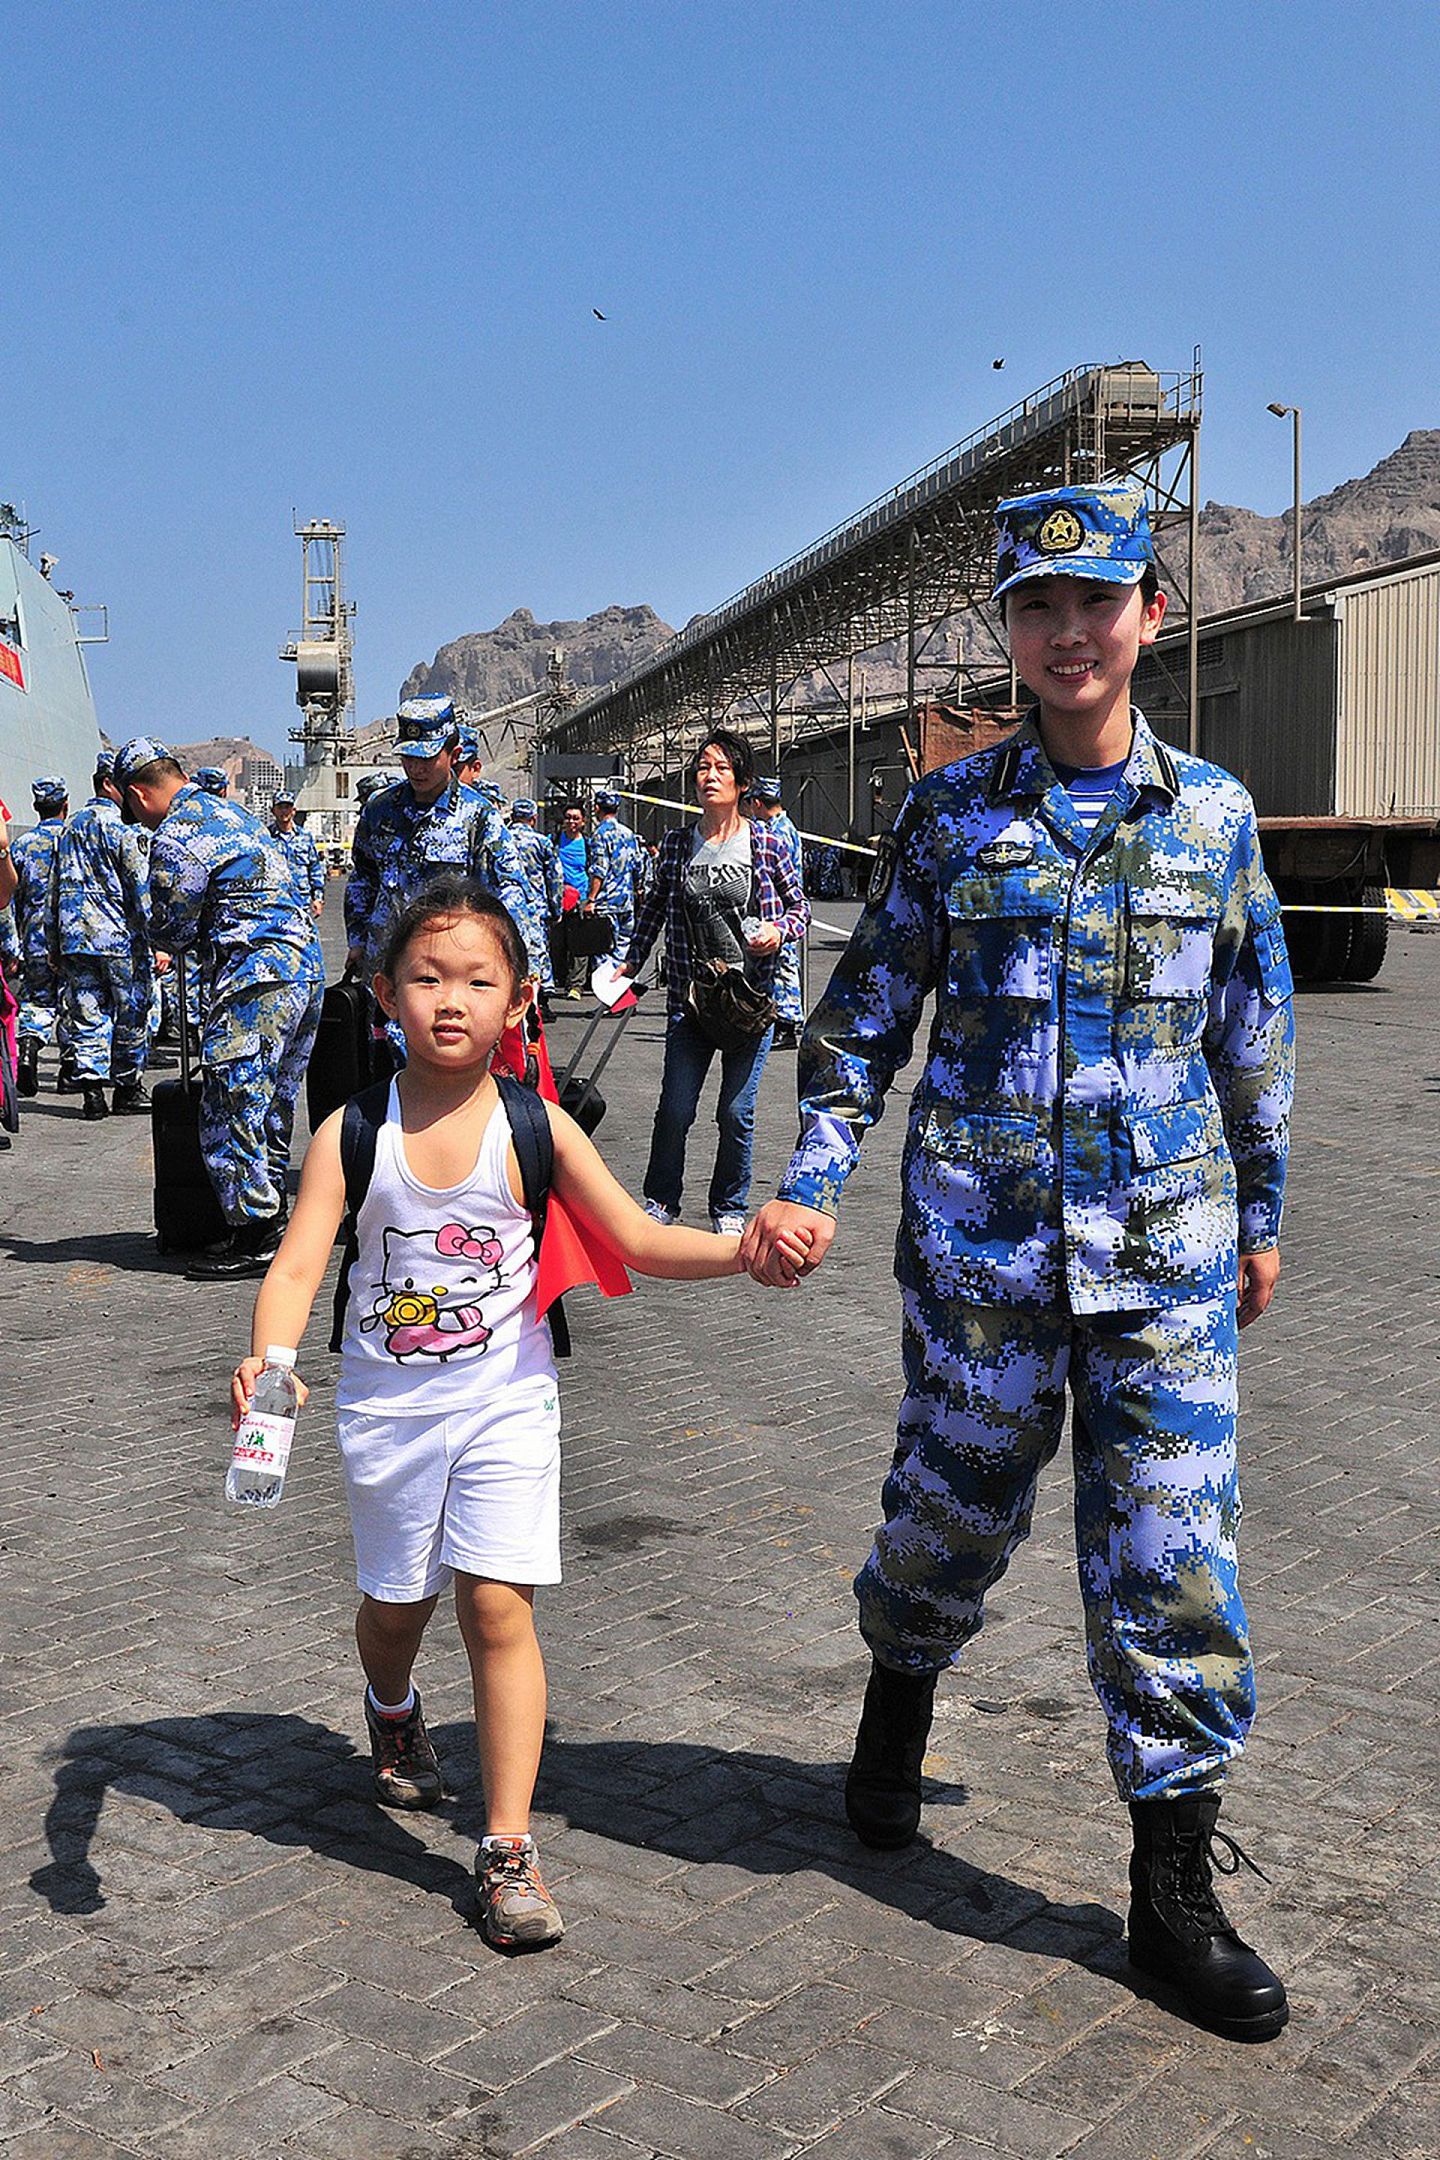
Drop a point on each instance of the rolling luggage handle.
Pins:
(184, 1016)
(588, 1087)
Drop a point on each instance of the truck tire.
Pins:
(1369, 936)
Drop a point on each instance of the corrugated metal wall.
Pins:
(1267, 712)
(1389, 698)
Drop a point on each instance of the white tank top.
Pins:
(442, 1308)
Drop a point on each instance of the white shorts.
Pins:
(477, 1491)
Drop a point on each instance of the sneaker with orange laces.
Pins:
(517, 1912)
(406, 1770)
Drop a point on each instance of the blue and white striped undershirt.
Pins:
(1090, 788)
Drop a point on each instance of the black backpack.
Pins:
(534, 1148)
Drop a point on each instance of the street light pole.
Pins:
(1280, 412)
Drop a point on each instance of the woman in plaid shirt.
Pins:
(727, 889)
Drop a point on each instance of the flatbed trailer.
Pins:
(1332, 875)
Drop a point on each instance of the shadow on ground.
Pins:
(301, 1786)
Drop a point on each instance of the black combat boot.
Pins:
(882, 1787)
(94, 1104)
(27, 1074)
(130, 1099)
(1178, 1929)
(246, 1249)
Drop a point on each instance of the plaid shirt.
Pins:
(776, 896)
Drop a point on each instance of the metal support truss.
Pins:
(909, 564)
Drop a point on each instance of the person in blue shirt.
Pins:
(573, 849)
(218, 881)
(43, 1011)
(1093, 1181)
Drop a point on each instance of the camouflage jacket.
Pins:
(400, 844)
(306, 865)
(1102, 1115)
(540, 868)
(616, 857)
(100, 880)
(34, 858)
(218, 881)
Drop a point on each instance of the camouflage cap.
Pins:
(49, 788)
(523, 806)
(282, 799)
(213, 778)
(469, 746)
(105, 765)
(372, 781)
(1087, 532)
(135, 755)
(766, 787)
(425, 725)
(606, 799)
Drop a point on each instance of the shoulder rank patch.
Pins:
(882, 877)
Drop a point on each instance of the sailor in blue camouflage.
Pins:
(766, 804)
(1099, 1131)
(469, 771)
(544, 885)
(102, 937)
(404, 837)
(42, 1009)
(299, 849)
(617, 869)
(219, 883)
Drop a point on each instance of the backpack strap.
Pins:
(535, 1153)
(359, 1131)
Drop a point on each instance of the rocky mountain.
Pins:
(1389, 513)
(490, 667)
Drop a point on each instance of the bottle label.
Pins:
(263, 1442)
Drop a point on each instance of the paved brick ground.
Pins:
(213, 1946)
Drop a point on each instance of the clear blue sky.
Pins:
(344, 259)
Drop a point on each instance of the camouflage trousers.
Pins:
(43, 1009)
(1157, 1505)
(107, 1005)
(254, 1050)
(785, 989)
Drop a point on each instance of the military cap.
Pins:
(105, 765)
(49, 788)
(282, 799)
(469, 745)
(606, 799)
(766, 787)
(425, 725)
(523, 806)
(1087, 532)
(372, 781)
(213, 778)
(135, 755)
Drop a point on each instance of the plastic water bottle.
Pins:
(256, 1477)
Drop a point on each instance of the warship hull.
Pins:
(47, 713)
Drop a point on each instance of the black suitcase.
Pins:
(590, 937)
(187, 1213)
(347, 1055)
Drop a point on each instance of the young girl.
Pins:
(449, 1422)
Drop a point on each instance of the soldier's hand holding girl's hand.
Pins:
(242, 1387)
(785, 1241)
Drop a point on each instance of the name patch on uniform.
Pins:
(882, 877)
(1005, 854)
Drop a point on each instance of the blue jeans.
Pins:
(688, 1053)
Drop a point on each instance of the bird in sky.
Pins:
(997, 363)
(598, 316)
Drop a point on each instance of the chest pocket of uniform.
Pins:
(1170, 936)
(1178, 1134)
(1003, 929)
